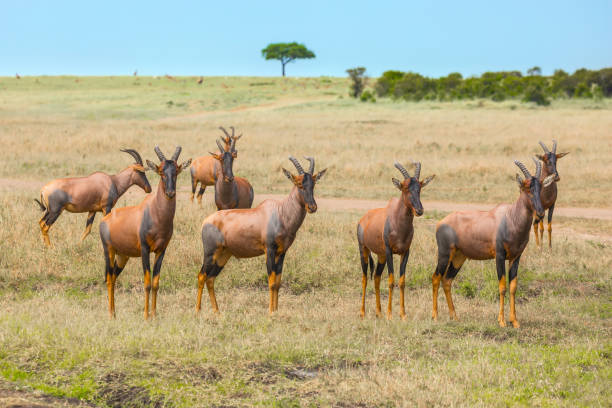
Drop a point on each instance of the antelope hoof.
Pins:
(389, 316)
(454, 317)
(403, 316)
(502, 322)
(362, 314)
(515, 324)
(434, 316)
(378, 314)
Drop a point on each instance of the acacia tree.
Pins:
(286, 52)
(358, 80)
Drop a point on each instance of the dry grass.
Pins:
(55, 335)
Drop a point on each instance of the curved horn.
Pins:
(134, 154)
(233, 131)
(538, 164)
(220, 146)
(417, 169)
(160, 155)
(233, 145)
(554, 146)
(225, 131)
(177, 153)
(297, 164)
(544, 147)
(523, 169)
(402, 170)
(312, 164)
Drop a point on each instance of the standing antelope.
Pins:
(387, 231)
(549, 194)
(204, 169)
(132, 232)
(501, 233)
(96, 192)
(230, 192)
(269, 228)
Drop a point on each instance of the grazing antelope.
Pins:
(549, 194)
(96, 192)
(501, 233)
(204, 169)
(132, 232)
(387, 231)
(230, 192)
(269, 228)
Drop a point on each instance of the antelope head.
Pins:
(168, 170)
(411, 187)
(226, 157)
(305, 182)
(532, 186)
(230, 140)
(550, 159)
(138, 171)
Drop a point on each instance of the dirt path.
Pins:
(7, 184)
(359, 204)
(254, 108)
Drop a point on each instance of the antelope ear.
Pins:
(560, 155)
(319, 175)
(138, 167)
(184, 166)
(215, 155)
(289, 175)
(548, 180)
(152, 166)
(519, 180)
(234, 154)
(427, 180)
(396, 183)
(541, 157)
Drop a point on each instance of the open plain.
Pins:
(56, 338)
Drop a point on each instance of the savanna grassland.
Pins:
(55, 334)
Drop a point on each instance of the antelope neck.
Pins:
(292, 211)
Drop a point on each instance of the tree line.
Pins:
(497, 86)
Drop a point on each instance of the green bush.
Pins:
(536, 94)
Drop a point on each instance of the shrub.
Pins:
(358, 81)
(536, 94)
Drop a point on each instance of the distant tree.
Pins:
(286, 52)
(534, 71)
(358, 80)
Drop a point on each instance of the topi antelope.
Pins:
(269, 228)
(230, 192)
(501, 233)
(132, 232)
(96, 192)
(549, 194)
(387, 231)
(204, 169)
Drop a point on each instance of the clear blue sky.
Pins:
(226, 37)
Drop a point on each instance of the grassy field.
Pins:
(55, 334)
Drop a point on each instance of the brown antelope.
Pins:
(387, 231)
(269, 229)
(132, 232)
(204, 169)
(549, 194)
(501, 233)
(230, 192)
(96, 192)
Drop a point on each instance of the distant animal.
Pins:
(17, 76)
(387, 231)
(230, 192)
(200, 80)
(549, 194)
(136, 73)
(132, 232)
(269, 229)
(204, 169)
(501, 233)
(96, 192)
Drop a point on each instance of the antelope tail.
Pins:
(371, 266)
(42, 206)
